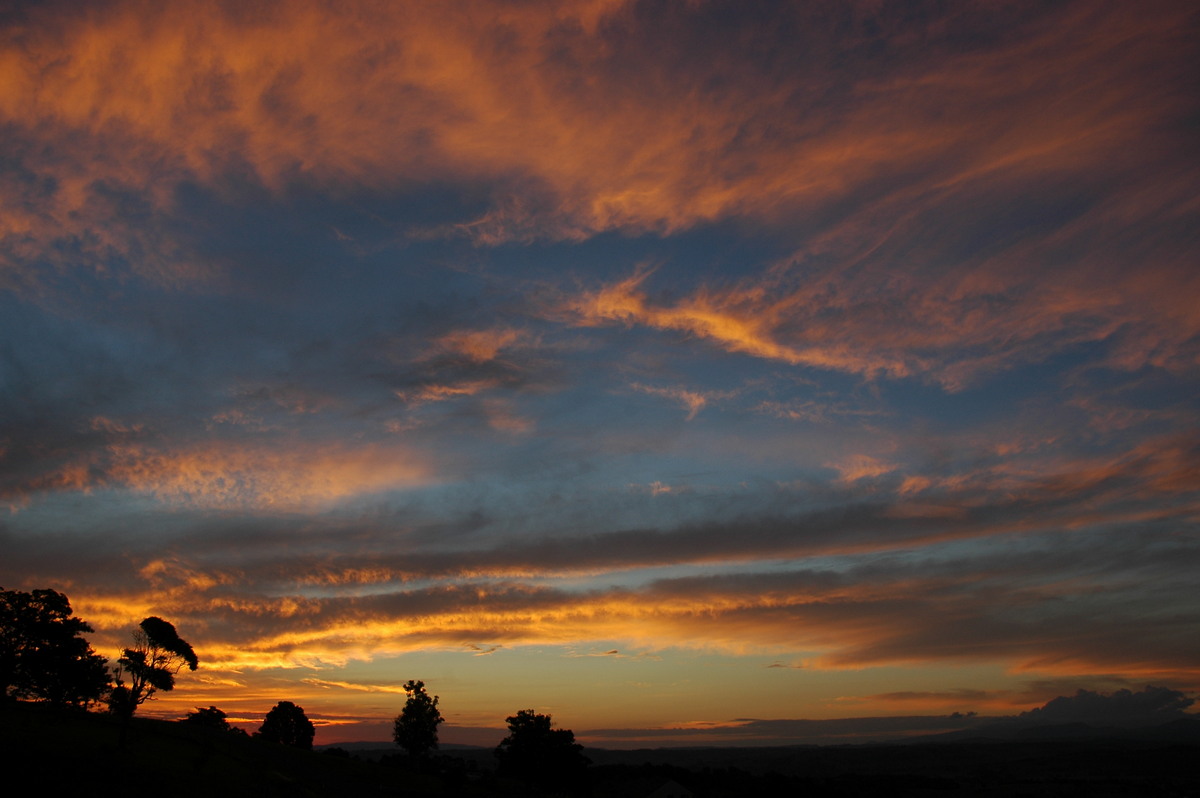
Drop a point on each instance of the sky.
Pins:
(680, 370)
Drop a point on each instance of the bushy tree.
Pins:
(535, 752)
(416, 727)
(158, 654)
(42, 653)
(211, 718)
(287, 724)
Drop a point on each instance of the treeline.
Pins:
(533, 751)
(44, 657)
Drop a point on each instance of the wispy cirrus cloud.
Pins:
(453, 94)
(835, 337)
(693, 400)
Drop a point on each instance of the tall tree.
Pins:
(535, 752)
(158, 654)
(43, 655)
(286, 723)
(416, 727)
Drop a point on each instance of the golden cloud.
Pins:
(244, 476)
(379, 95)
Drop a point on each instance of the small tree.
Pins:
(535, 752)
(416, 727)
(158, 654)
(211, 718)
(287, 724)
(43, 655)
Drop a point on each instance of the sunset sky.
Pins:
(662, 366)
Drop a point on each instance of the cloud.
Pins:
(503, 417)
(442, 393)
(364, 688)
(1033, 608)
(1150, 706)
(861, 466)
(786, 731)
(870, 323)
(538, 102)
(235, 476)
(481, 345)
(276, 366)
(739, 323)
(812, 411)
(231, 475)
(694, 401)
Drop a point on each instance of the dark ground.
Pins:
(73, 753)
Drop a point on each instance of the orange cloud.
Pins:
(239, 475)
(435, 392)
(878, 323)
(737, 320)
(134, 98)
(694, 401)
(363, 688)
(481, 345)
(385, 96)
(861, 466)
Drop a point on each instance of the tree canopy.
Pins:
(535, 752)
(211, 718)
(43, 655)
(416, 726)
(158, 654)
(287, 724)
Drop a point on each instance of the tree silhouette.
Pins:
(416, 726)
(211, 718)
(287, 724)
(42, 653)
(536, 753)
(158, 654)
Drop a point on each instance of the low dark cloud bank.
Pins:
(1149, 707)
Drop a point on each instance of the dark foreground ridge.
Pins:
(71, 752)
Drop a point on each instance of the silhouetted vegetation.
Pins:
(416, 726)
(197, 761)
(45, 661)
(43, 655)
(157, 655)
(287, 724)
(538, 754)
(211, 718)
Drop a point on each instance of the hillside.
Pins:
(78, 753)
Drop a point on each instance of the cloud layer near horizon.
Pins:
(832, 335)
